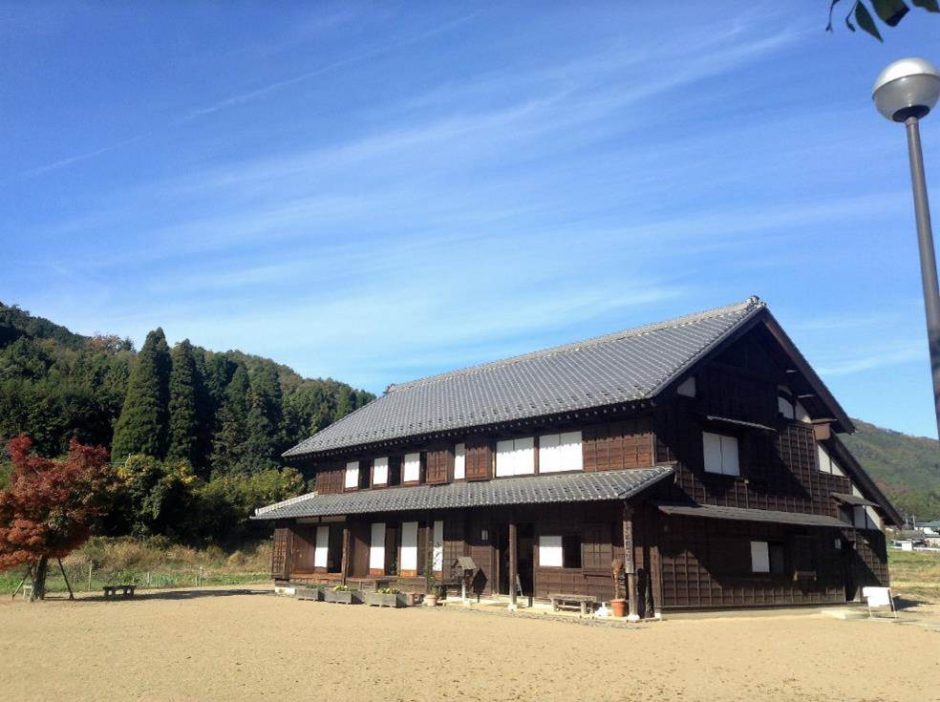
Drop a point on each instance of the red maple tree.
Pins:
(50, 505)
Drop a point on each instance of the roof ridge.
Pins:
(751, 303)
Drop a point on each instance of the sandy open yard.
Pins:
(221, 645)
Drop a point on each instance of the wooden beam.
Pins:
(656, 580)
(513, 564)
(629, 564)
(66, 579)
(344, 567)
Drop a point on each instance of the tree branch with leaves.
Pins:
(890, 12)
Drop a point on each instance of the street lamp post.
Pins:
(905, 92)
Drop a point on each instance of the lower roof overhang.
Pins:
(524, 490)
(853, 500)
(741, 514)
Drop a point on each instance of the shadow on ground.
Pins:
(163, 595)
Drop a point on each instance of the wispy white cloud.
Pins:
(78, 158)
(278, 85)
(854, 361)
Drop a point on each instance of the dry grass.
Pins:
(126, 553)
(224, 646)
(915, 574)
(156, 561)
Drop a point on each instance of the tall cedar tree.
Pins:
(143, 424)
(49, 507)
(205, 414)
(228, 443)
(264, 440)
(184, 419)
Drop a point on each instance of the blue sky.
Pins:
(380, 192)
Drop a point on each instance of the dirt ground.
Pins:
(248, 644)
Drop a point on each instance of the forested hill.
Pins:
(222, 412)
(906, 467)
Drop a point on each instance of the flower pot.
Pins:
(618, 608)
(410, 599)
(430, 600)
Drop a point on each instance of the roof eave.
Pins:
(868, 486)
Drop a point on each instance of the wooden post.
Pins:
(66, 578)
(656, 581)
(344, 564)
(629, 566)
(513, 565)
(27, 574)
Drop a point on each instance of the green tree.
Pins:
(143, 424)
(228, 442)
(264, 439)
(226, 502)
(184, 419)
(157, 496)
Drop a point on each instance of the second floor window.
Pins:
(827, 464)
(560, 452)
(352, 475)
(721, 454)
(460, 462)
(380, 471)
(515, 457)
(412, 470)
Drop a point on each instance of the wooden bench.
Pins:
(573, 602)
(112, 591)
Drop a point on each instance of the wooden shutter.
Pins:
(330, 479)
(597, 548)
(618, 445)
(280, 563)
(439, 462)
(479, 458)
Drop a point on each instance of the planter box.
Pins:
(309, 593)
(342, 597)
(382, 599)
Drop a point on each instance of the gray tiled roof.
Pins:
(751, 515)
(527, 490)
(622, 367)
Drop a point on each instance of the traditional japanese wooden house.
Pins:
(703, 451)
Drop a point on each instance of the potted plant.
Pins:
(383, 597)
(341, 594)
(618, 605)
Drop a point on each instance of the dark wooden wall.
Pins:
(280, 552)
(707, 562)
(778, 464)
(628, 443)
(303, 543)
(359, 536)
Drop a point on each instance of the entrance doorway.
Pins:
(524, 556)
